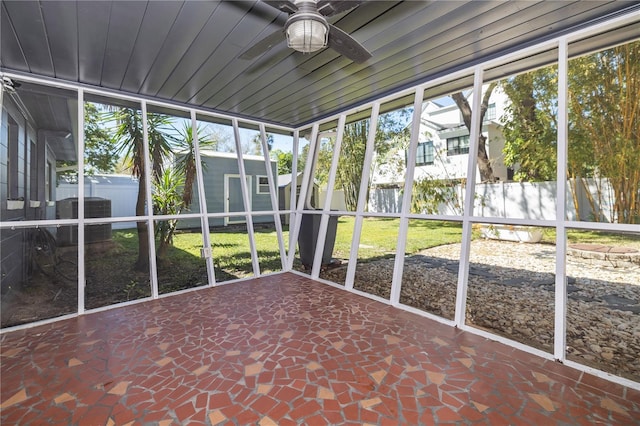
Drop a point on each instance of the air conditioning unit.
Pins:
(94, 207)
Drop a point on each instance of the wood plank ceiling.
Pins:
(186, 52)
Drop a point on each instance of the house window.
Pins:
(491, 112)
(458, 145)
(263, 185)
(425, 153)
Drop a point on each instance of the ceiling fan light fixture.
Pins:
(307, 33)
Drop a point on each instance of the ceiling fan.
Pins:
(307, 29)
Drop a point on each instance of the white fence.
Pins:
(385, 200)
(517, 200)
(538, 200)
(121, 190)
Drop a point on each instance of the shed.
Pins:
(284, 191)
(223, 191)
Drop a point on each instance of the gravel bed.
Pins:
(511, 293)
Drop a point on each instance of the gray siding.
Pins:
(215, 169)
(12, 272)
(29, 146)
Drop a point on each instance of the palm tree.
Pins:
(129, 137)
(167, 200)
(184, 144)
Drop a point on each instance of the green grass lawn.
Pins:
(380, 236)
(379, 239)
(231, 245)
(594, 237)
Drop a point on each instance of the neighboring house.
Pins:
(442, 151)
(443, 147)
(443, 144)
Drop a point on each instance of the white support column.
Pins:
(403, 231)
(246, 199)
(81, 195)
(304, 188)
(153, 274)
(202, 201)
(292, 196)
(560, 327)
(463, 270)
(273, 188)
(324, 222)
(364, 186)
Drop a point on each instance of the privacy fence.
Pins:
(517, 200)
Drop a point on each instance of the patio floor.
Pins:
(286, 350)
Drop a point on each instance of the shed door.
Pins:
(233, 198)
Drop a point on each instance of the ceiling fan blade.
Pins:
(330, 8)
(347, 46)
(263, 45)
(282, 5)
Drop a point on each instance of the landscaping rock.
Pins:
(511, 293)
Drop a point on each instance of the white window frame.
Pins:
(262, 188)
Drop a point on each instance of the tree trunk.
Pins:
(142, 264)
(190, 177)
(484, 164)
(165, 241)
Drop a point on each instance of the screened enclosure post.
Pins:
(202, 200)
(324, 221)
(292, 196)
(307, 175)
(463, 269)
(364, 186)
(245, 198)
(272, 193)
(153, 272)
(81, 212)
(398, 268)
(560, 323)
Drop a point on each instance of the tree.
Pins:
(254, 147)
(484, 164)
(221, 139)
(605, 125)
(303, 156)
(167, 200)
(530, 127)
(391, 130)
(284, 159)
(173, 190)
(129, 136)
(99, 148)
(430, 193)
(184, 145)
(350, 162)
(604, 128)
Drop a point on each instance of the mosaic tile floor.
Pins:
(284, 350)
